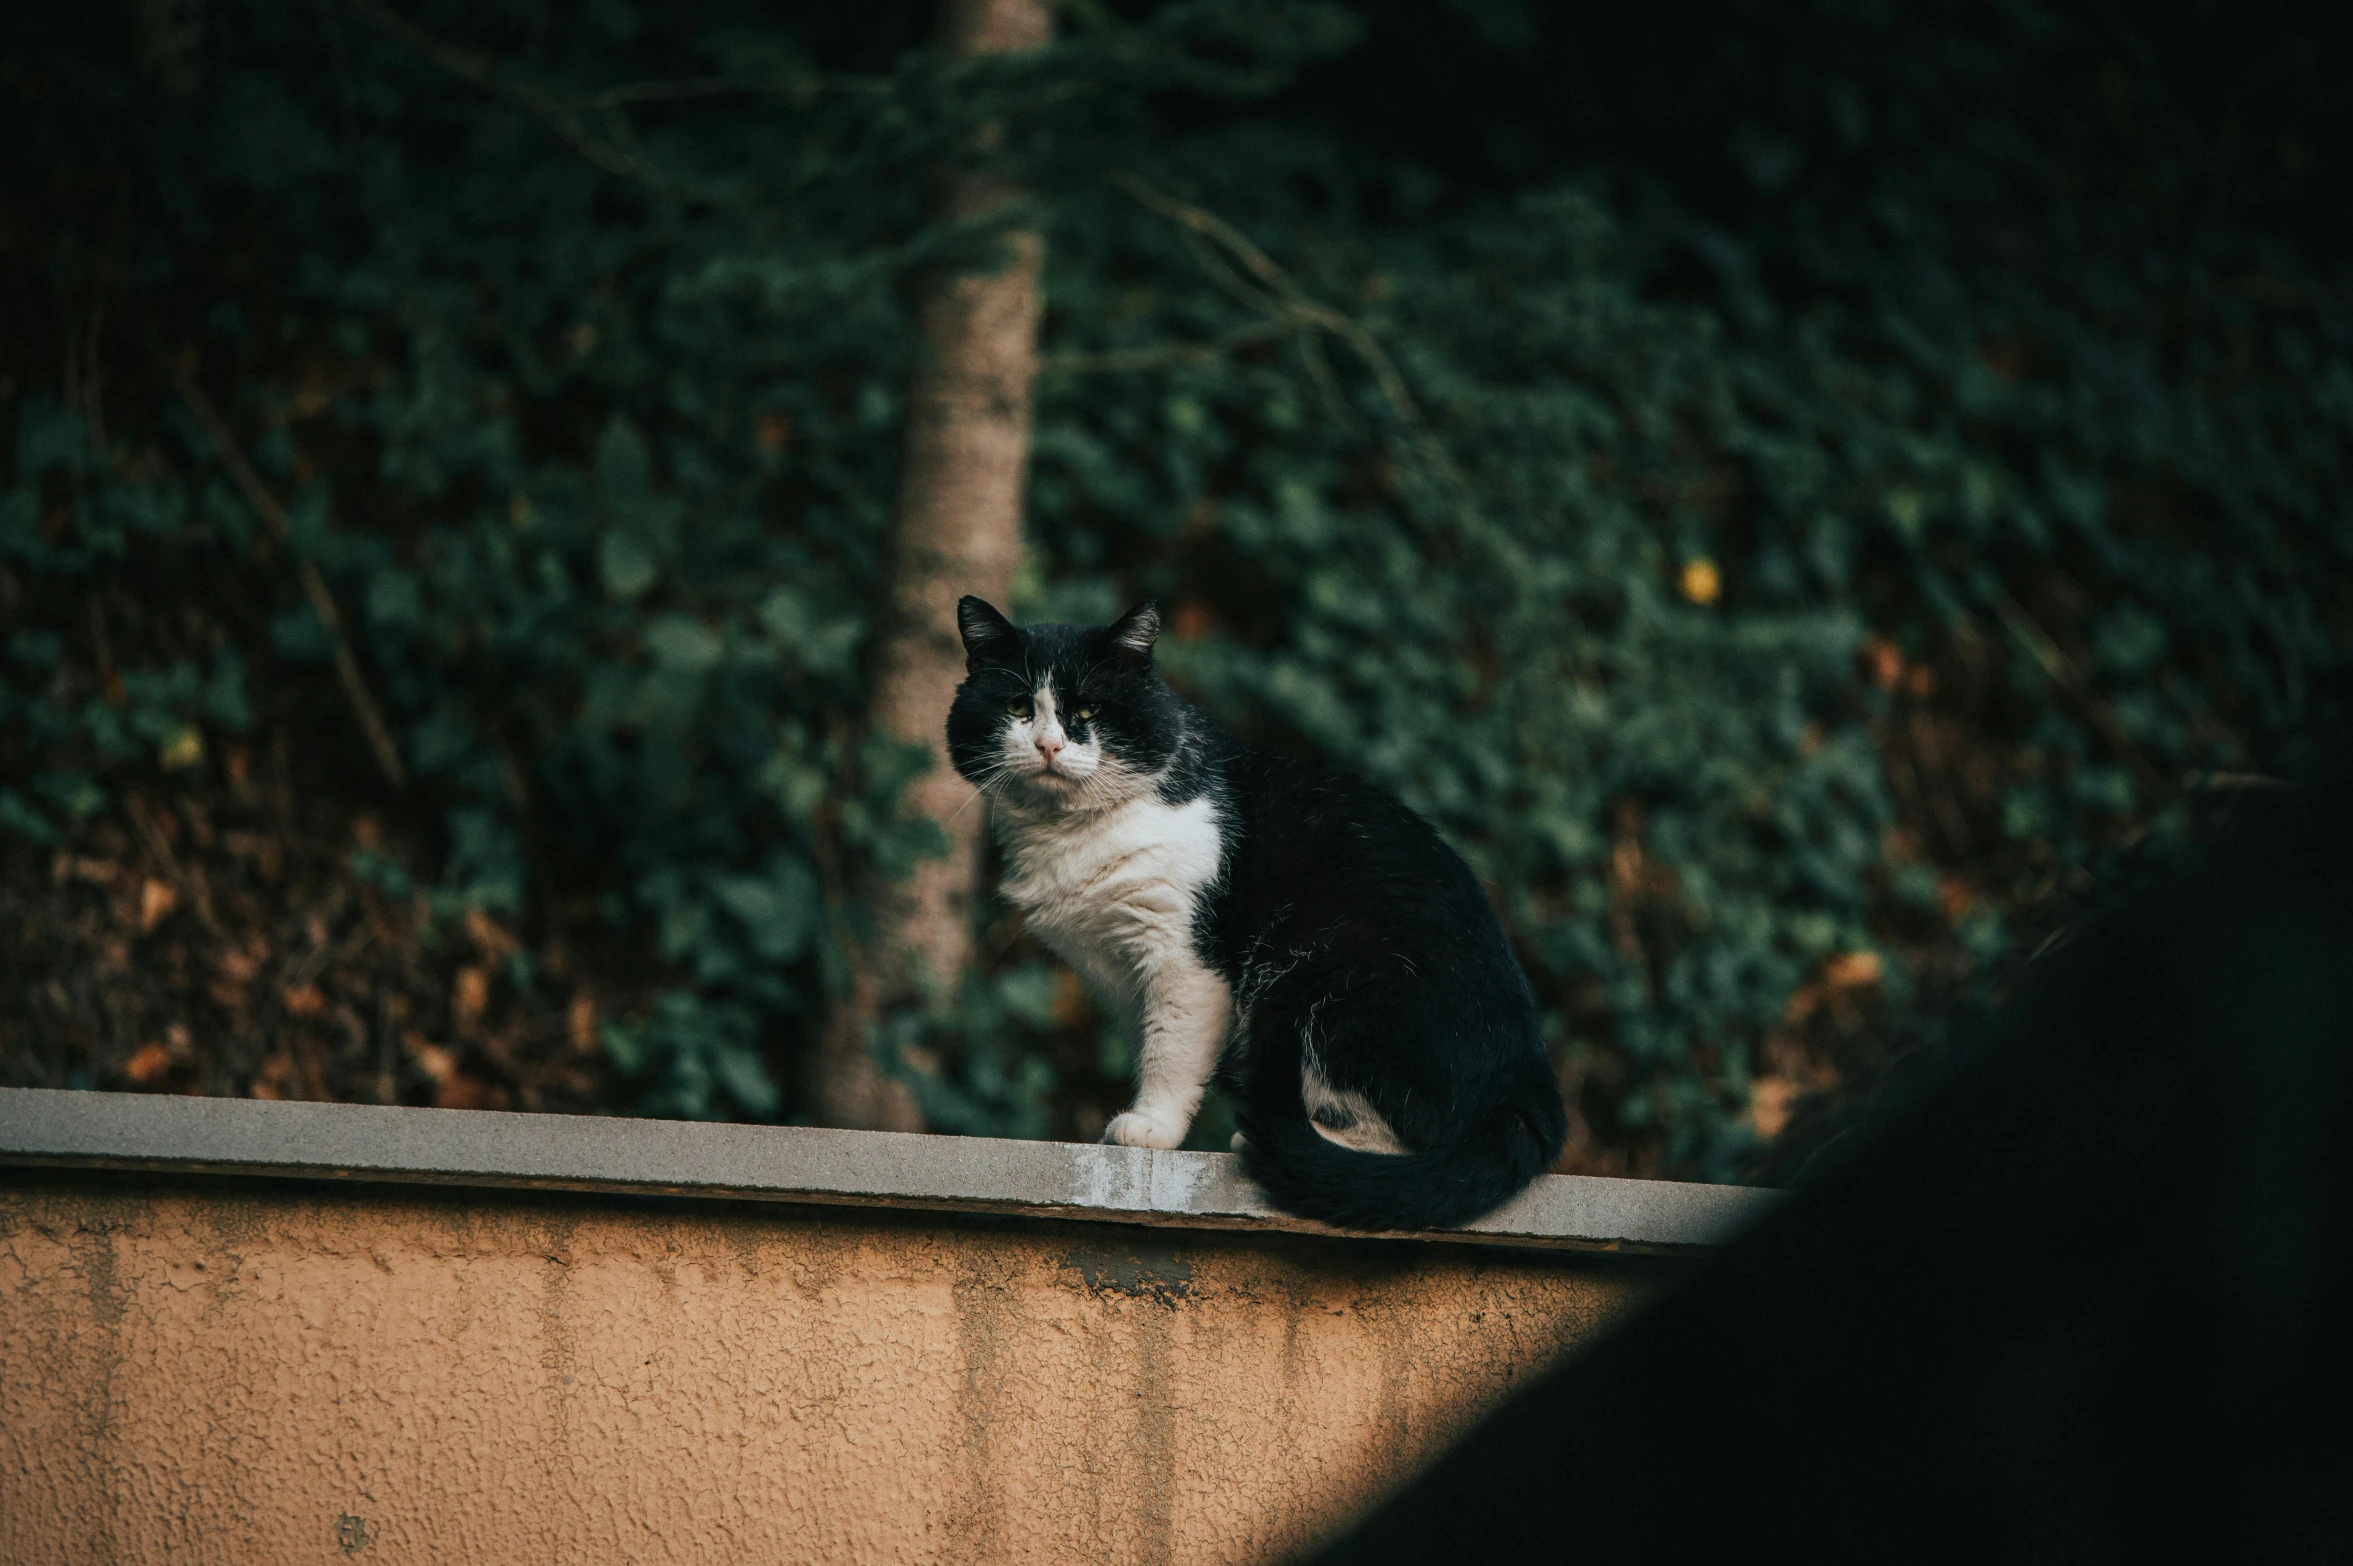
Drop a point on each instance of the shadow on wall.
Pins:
(2090, 1301)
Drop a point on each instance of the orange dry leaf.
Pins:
(275, 1080)
(463, 1092)
(580, 1023)
(148, 1065)
(156, 902)
(472, 996)
(305, 1001)
(1956, 897)
(432, 1059)
(489, 938)
(1853, 971)
(1769, 1102)
(184, 747)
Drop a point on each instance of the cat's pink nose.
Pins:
(1049, 746)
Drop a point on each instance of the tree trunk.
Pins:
(958, 532)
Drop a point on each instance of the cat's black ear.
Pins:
(987, 634)
(1136, 630)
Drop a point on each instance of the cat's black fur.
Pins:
(1336, 910)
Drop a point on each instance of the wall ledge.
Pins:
(795, 1164)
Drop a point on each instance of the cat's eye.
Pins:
(1085, 713)
(1019, 709)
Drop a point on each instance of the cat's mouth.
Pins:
(1058, 774)
(1065, 772)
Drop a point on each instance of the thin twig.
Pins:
(1253, 278)
(1947, 810)
(2227, 781)
(188, 879)
(2064, 671)
(2036, 640)
(551, 110)
(1166, 355)
(314, 587)
(685, 88)
(1270, 290)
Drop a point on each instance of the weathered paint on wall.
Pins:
(247, 1371)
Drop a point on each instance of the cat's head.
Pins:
(1061, 717)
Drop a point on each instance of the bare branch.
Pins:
(314, 587)
(551, 110)
(1227, 253)
(1253, 278)
(796, 88)
(2065, 672)
(1165, 355)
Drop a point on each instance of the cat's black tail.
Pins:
(1489, 1161)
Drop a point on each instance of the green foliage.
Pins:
(1470, 576)
(1802, 530)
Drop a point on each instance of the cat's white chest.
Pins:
(1115, 893)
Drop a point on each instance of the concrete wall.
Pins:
(232, 1368)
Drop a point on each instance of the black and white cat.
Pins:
(1290, 925)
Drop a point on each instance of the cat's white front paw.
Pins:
(1138, 1129)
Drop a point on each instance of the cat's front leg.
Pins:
(1185, 1014)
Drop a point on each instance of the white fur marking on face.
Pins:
(1072, 766)
(1112, 891)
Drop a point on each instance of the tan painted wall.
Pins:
(254, 1372)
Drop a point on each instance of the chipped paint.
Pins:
(1143, 1270)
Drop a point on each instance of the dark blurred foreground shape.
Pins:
(2089, 1302)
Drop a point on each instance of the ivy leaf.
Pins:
(683, 645)
(778, 911)
(626, 566)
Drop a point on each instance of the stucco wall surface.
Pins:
(200, 1370)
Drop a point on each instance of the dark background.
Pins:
(1793, 490)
